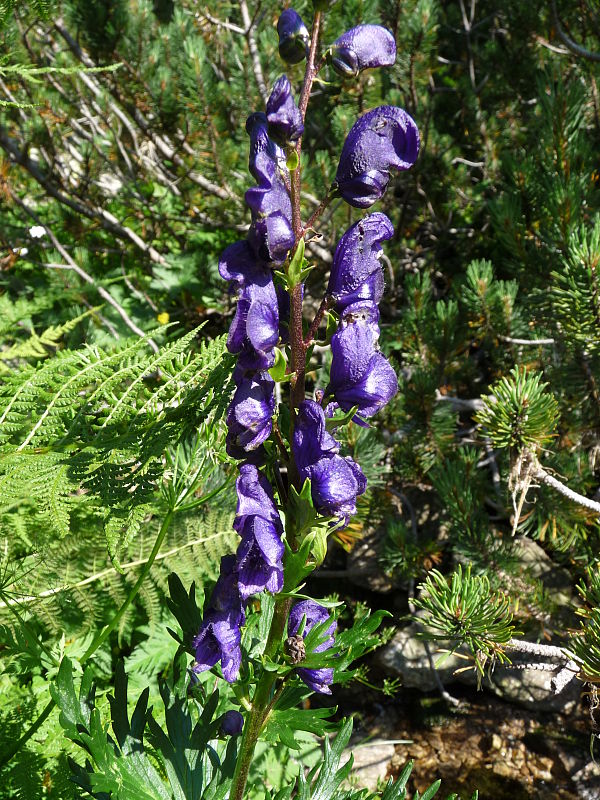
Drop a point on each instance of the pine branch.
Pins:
(101, 215)
(161, 142)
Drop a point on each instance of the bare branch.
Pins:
(220, 23)
(575, 48)
(544, 477)
(533, 342)
(458, 403)
(160, 142)
(256, 65)
(106, 219)
(72, 265)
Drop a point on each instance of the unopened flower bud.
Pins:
(293, 36)
(232, 723)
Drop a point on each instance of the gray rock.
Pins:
(587, 782)
(406, 657)
(532, 687)
(371, 762)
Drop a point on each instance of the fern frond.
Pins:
(40, 346)
(90, 426)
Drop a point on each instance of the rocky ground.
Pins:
(514, 740)
(487, 744)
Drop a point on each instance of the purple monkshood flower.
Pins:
(219, 636)
(319, 680)
(254, 330)
(266, 157)
(293, 36)
(255, 498)
(360, 375)
(362, 47)
(335, 481)
(356, 274)
(271, 234)
(283, 115)
(232, 723)
(250, 412)
(259, 557)
(383, 139)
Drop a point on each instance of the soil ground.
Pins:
(506, 752)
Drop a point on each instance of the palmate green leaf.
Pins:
(121, 769)
(350, 644)
(287, 719)
(117, 763)
(191, 762)
(182, 604)
(323, 782)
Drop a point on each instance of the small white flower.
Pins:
(20, 251)
(37, 231)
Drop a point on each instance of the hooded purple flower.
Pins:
(271, 234)
(249, 413)
(254, 330)
(360, 375)
(255, 497)
(335, 481)
(318, 680)
(219, 636)
(293, 36)
(283, 115)
(356, 274)
(383, 139)
(362, 47)
(266, 157)
(259, 557)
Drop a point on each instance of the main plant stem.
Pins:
(262, 700)
(256, 718)
(297, 346)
